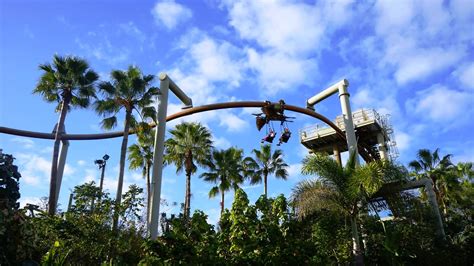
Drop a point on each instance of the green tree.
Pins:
(129, 90)
(225, 170)
(438, 169)
(140, 156)
(70, 82)
(242, 229)
(190, 143)
(344, 190)
(84, 196)
(266, 163)
(15, 231)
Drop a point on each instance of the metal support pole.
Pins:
(382, 147)
(347, 116)
(158, 154)
(101, 184)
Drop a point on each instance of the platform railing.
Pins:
(359, 117)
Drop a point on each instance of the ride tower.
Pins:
(373, 132)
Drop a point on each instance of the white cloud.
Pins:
(416, 64)
(132, 30)
(279, 72)
(81, 162)
(206, 62)
(213, 216)
(465, 75)
(232, 122)
(169, 14)
(294, 170)
(289, 36)
(215, 61)
(394, 18)
(222, 143)
(279, 24)
(403, 140)
(443, 105)
(24, 142)
(362, 97)
(102, 49)
(36, 170)
(463, 10)
(416, 32)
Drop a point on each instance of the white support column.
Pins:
(428, 184)
(382, 146)
(61, 163)
(158, 157)
(341, 86)
(347, 116)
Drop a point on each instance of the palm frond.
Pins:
(149, 112)
(310, 196)
(80, 102)
(106, 107)
(109, 123)
(107, 88)
(213, 192)
(425, 158)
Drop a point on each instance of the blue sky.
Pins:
(410, 59)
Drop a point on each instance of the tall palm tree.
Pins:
(190, 143)
(266, 163)
(131, 91)
(140, 156)
(70, 82)
(344, 190)
(431, 165)
(225, 170)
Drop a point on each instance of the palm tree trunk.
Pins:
(439, 199)
(187, 204)
(123, 153)
(52, 202)
(265, 184)
(222, 202)
(356, 250)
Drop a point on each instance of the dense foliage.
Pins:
(271, 231)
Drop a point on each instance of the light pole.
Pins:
(102, 164)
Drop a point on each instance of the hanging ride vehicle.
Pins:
(274, 112)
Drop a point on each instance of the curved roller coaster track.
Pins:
(363, 151)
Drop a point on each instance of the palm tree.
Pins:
(70, 82)
(140, 156)
(225, 170)
(465, 171)
(430, 165)
(129, 90)
(344, 190)
(266, 163)
(190, 143)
